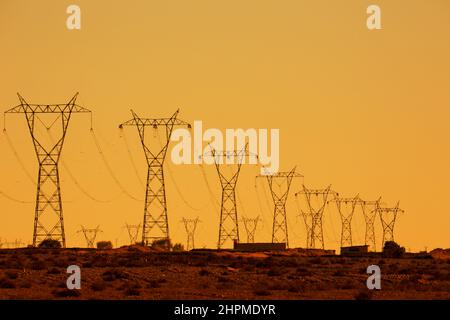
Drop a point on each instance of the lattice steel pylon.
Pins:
(133, 232)
(48, 221)
(369, 216)
(388, 217)
(191, 226)
(250, 225)
(228, 226)
(280, 197)
(90, 235)
(314, 216)
(346, 208)
(156, 225)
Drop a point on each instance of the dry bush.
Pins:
(38, 265)
(104, 245)
(340, 273)
(363, 295)
(131, 288)
(12, 275)
(6, 283)
(114, 274)
(274, 272)
(153, 284)
(66, 293)
(25, 284)
(50, 244)
(132, 292)
(53, 270)
(261, 290)
(223, 279)
(204, 272)
(301, 271)
(98, 286)
(178, 247)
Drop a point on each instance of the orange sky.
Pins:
(365, 111)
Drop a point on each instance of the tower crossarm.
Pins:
(70, 107)
(155, 122)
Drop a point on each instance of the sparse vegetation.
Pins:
(6, 284)
(162, 244)
(145, 273)
(392, 250)
(50, 244)
(104, 245)
(178, 247)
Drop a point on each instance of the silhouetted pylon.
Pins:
(190, 225)
(133, 232)
(314, 214)
(90, 235)
(13, 244)
(48, 220)
(250, 225)
(228, 226)
(280, 197)
(156, 225)
(388, 217)
(369, 211)
(346, 208)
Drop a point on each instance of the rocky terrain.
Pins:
(141, 273)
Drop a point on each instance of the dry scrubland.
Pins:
(139, 273)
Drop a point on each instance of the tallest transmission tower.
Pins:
(156, 226)
(48, 221)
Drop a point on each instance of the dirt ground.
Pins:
(138, 273)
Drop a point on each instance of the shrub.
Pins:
(38, 265)
(50, 244)
(178, 247)
(66, 293)
(12, 275)
(53, 270)
(392, 250)
(132, 292)
(25, 284)
(6, 284)
(154, 284)
(261, 292)
(274, 272)
(98, 286)
(104, 245)
(363, 295)
(114, 274)
(203, 272)
(161, 244)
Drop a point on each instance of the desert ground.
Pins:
(141, 273)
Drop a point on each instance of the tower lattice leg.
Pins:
(156, 225)
(229, 228)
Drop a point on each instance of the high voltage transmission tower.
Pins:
(346, 208)
(12, 244)
(48, 221)
(250, 225)
(133, 232)
(369, 210)
(279, 197)
(90, 235)
(155, 226)
(228, 227)
(314, 214)
(388, 217)
(190, 225)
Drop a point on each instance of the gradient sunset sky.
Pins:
(365, 111)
